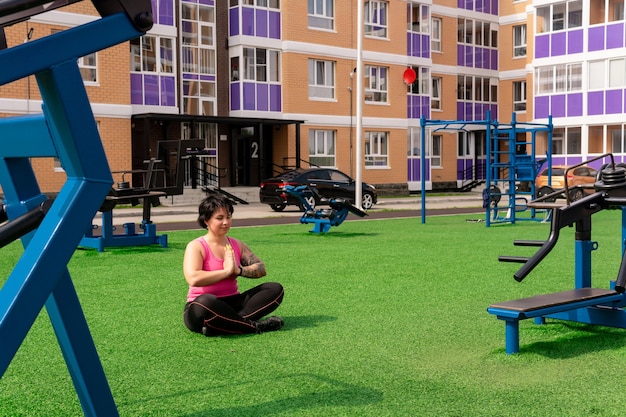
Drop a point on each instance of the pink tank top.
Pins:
(223, 288)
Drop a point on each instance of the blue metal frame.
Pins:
(67, 130)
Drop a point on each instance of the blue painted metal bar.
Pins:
(67, 130)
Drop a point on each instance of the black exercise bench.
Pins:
(543, 305)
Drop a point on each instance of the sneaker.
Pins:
(270, 324)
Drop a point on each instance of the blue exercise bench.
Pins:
(50, 230)
(583, 304)
(322, 218)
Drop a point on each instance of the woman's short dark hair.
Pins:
(210, 205)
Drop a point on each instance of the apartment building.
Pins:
(271, 84)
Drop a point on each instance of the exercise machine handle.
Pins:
(23, 224)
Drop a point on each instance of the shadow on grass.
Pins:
(577, 340)
(304, 322)
(323, 393)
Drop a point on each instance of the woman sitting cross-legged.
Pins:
(211, 266)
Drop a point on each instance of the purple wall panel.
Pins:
(274, 21)
(235, 94)
(460, 56)
(425, 39)
(575, 104)
(542, 107)
(460, 168)
(204, 77)
(495, 7)
(595, 102)
(261, 23)
(542, 46)
(460, 114)
(613, 103)
(615, 36)
(249, 96)
(469, 111)
(494, 59)
(426, 106)
(596, 38)
(479, 60)
(136, 89)
(233, 22)
(151, 89)
(247, 21)
(558, 44)
(575, 41)
(276, 96)
(168, 91)
(262, 97)
(166, 12)
(557, 105)
(469, 56)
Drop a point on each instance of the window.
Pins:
(435, 35)
(88, 66)
(197, 34)
(418, 18)
(474, 32)
(375, 16)
(477, 89)
(146, 57)
(260, 64)
(414, 140)
(559, 16)
(559, 78)
(573, 141)
(322, 147)
(375, 84)
(421, 85)
(435, 155)
(321, 14)
(321, 79)
(435, 96)
(272, 4)
(376, 149)
(519, 41)
(519, 96)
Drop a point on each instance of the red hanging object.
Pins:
(409, 76)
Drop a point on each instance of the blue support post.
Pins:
(67, 130)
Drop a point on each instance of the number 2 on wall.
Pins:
(254, 154)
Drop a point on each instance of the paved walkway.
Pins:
(178, 217)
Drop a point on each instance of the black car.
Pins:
(330, 183)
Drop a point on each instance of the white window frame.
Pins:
(376, 149)
(88, 66)
(376, 81)
(436, 151)
(435, 95)
(198, 50)
(519, 41)
(321, 79)
(435, 34)
(376, 18)
(519, 96)
(558, 78)
(559, 16)
(321, 15)
(322, 146)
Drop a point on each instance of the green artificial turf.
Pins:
(383, 318)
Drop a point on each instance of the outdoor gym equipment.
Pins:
(322, 219)
(130, 195)
(584, 303)
(50, 231)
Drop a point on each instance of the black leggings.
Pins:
(234, 314)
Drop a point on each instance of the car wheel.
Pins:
(367, 202)
(545, 190)
(278, 207)
(576, 194)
